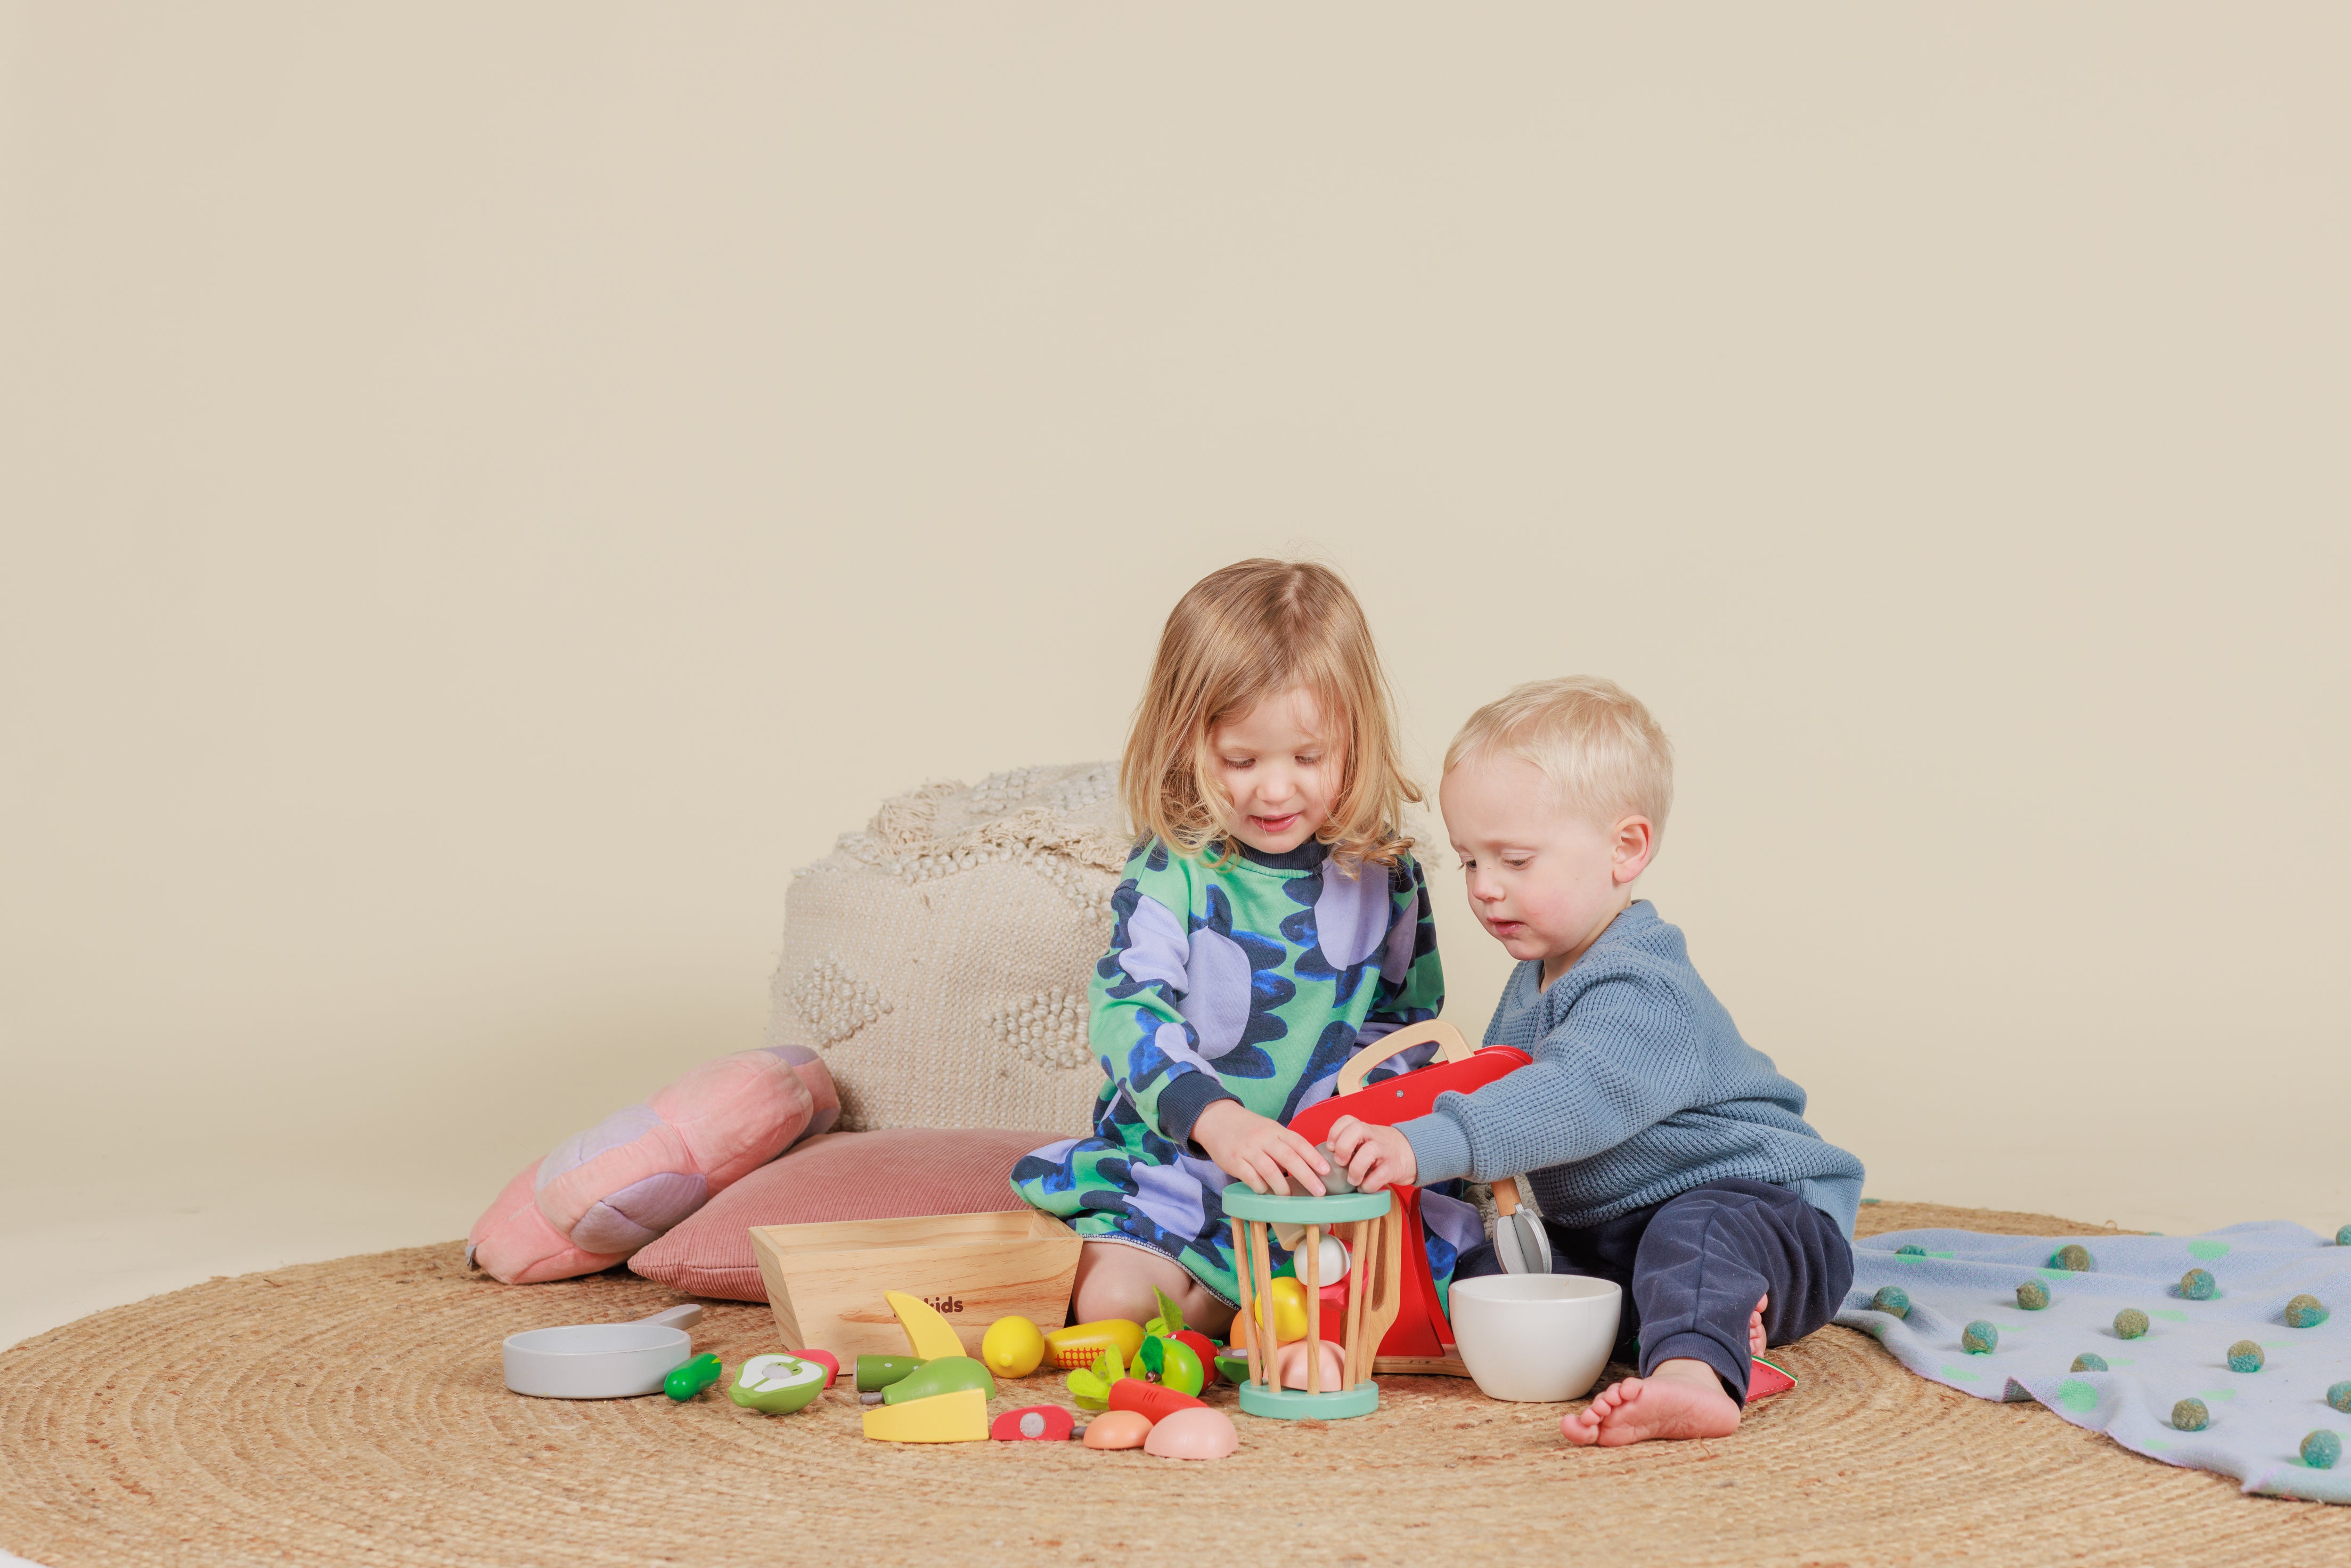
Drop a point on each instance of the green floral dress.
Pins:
(1254, 980)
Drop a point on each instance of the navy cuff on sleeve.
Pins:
(1184, 1098)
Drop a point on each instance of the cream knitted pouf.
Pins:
(938, 960)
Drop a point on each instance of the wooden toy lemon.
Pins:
(1012, 1347)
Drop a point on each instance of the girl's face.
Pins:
(1278, 772)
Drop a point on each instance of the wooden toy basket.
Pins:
(825, 1280)
(1374, 1244)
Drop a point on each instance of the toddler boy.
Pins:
(1667, 1153)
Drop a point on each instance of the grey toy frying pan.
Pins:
(600, 1361)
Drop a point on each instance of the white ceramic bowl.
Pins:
(1541, 1338)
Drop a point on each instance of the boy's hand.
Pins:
(1375, 1157)
(1258, 1150)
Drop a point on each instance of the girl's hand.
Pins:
(1375, 1157)
(1258, 1150)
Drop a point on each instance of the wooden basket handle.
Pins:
(1450, 1047)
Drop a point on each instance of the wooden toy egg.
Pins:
(1293, 1367)
(1118, 1430)
(1202, 1433)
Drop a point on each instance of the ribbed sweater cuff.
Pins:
(1182, 1100)
(1440, 1149)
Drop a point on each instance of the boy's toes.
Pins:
(1582, 1428)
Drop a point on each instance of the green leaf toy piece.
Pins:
(2129, 1323)
(2197, 1285)
(684, 1382)
(1170, 1321)
(875, 1373)
(1089, 1386)
(940, 1375)
(2089, 1361)
(2244, 1356)
(2305, 1311)
(2189, 1416)
(777, 1384)
(1891, 1298)
(1979, 1338)
(2032, 1295)
(2073, 1256)
(1234, 1369)
(2321, 1450)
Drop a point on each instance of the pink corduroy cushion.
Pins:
(600, 1195)
(841, 1176)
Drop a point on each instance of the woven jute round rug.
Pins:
(352, 1412)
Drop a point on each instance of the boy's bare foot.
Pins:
(1681, 1398)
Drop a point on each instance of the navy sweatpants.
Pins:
(1692, 1267)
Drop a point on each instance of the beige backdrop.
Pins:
(489, 490)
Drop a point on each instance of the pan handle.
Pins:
(678, 1317)
(1450, 1047)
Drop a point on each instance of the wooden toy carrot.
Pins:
(1153, 1401)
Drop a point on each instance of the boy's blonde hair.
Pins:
(1604, 757)
(1250, 632)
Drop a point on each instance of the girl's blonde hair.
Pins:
(1250, 632)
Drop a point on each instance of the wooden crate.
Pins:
(825, 1281)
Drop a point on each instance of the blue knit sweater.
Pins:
(1641, 1089)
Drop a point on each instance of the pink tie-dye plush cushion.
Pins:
(603, 1194)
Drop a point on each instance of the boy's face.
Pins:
(1543, 882)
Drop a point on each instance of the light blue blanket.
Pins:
(2258, 1419)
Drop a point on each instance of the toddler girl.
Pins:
(1270, 923)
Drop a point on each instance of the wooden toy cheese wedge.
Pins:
(957, 1418)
